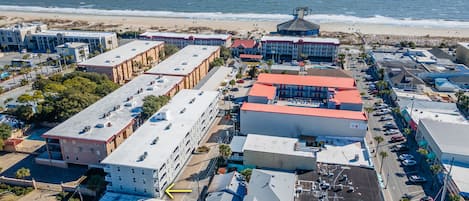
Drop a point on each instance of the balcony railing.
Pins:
(108, 178)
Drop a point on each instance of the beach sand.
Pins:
(126, 23)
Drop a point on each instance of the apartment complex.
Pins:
(50, 39)
(79, 52)
(15, 37)
(89, 136)
(150, 160)
(125, 62)
(182, 40)
(287, 48)
(192, 63)
(293, 105)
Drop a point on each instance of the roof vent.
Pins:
(109, 124)
(147, 43)
(128, 104)
(195, 55)
(143, 156)
(99, 125)
(204, 48)
(177, 69)
(151, 83)
(118, 56)
(139, 91)
(107, 114)
(85, 129)
(108, 61)
(150, 89)
(168, 126)
(184, 63)
(183, 110)
(201, 93)
(160, 81)
(155, 140)
(192, 101)
(116, 107)
(130, 98)
(133, 49)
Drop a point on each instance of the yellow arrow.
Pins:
(169, 190)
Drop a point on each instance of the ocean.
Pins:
(423, 13)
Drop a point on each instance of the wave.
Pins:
(320, 18)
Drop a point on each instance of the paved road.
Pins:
(393, 174)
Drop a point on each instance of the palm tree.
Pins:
(341, 59)
(423, 152)
(225, 151)
(383, 155)
(436, 169)
(378, 140)
(22, 173)
(459, 95)
(269, 65)
(368, 110)
(149, 59)
(381, 73)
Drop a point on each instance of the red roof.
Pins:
(348, 96)
(320, 81)
(319, 112)
(244, 43)
(263, 90)
(250, 56)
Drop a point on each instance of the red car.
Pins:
(240, 81)
(397, 138)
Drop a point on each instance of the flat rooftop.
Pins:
(293, 39)
(182, 112)
(276, 145)
(465, 45)
(125, 100)
(343, 151)
(184, 61)
(214, 78)
(364, 182)
(74, 33)
(449, 137)
(72, 45)
(459, 174)
(318, 81)
(348, 96)
(121, 54)
(20, 26)
(186, 36)
(319, 112)
(285, 67)
(267, 185)
(263, 91)
(237, 144)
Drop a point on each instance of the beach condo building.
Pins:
(45, 41)
(192, 63)
(14, 37)
(294, 105)
(151, 159)
(287, 48)
(125, 62)
(462, 53)
(182, 40)
(78, 52)
(246, 47)
(89, 136)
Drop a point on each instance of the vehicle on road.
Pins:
(385, 118)
(391, 132)
(417, 179)
(409, 162)
(406, 157)
(399, 148)
(240, 81)
(397, 138)
(427, 198)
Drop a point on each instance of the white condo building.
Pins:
(151, 159)
(182, 40)
(292, 48)
(79, 52)
(15, 36)
(49, 40)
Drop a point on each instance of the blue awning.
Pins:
(422, 143)
(431, 156)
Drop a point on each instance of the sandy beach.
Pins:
(242, 28)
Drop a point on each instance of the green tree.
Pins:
(412, 45)
(225, 53)
(378, 140)
(381, 73)
(341, 59)
(105, 88)
(5, 131)
(269, 65)
(24, 98)
(383, 155)
(253, 72)
(24, 82)
(225, 151)
(24, 112)
(170, 50)
(80, 84)
(247, 174)
(435, 169)
(1, 147)
(454, 197)
(232, 82)
(368, 110)
(95, 182)
(217, 62)
(151, 104)
(239, 76)
(423, 152)
(22, 173)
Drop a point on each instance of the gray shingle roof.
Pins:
(297, 24)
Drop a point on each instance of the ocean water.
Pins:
(426, 13)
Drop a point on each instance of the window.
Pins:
(176, 157)
(188, 141)
(133, 171)
(143, 172)
(118, 169)
(176, 149)
(145, 190)
(120, 187)
(162, 167)
(76, 158)
(162, 177)
(177, 166)
(120, 178)
(143, 181)
(134, 180)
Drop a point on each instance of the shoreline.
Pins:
(124, 23)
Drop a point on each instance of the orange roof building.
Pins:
(318, 81)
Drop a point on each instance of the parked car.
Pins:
(399, 148)
(397, 138)
(377, 129)
(385, 118)
(390, 125)
(417, 179)
(391, 132)
(409, 162)
(240, 81)
(427, 198)
(235, 89)
(406, 157)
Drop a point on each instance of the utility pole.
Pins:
(447, 176)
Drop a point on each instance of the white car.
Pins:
(391, 132)
(404, 157)
(409, 162)
(385, 118)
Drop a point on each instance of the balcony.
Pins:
(109, 188)
(108, 178)
(107, 169)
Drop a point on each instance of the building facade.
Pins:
(182, 40)
(149, 161)
(89, 136)
(79, 52)
(462, 53)
(192, 63)
(286, 48)
(125, 62)
(16, 36)
(250, 47)
(45, 41)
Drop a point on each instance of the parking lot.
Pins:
(395, 174)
